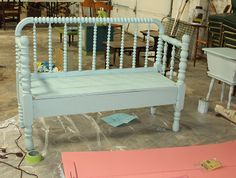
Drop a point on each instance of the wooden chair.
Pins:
(230, 42)
(10, 12)
(88, 8)
(107, 8)
(104, 6)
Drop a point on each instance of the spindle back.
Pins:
(161, 57)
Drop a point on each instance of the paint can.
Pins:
(198, 15)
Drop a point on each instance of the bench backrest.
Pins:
(162, 47)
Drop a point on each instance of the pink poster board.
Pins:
(177, 162)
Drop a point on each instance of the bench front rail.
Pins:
(84, 91)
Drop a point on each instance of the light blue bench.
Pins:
(85, 91)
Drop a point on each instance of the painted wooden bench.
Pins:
(85, 91)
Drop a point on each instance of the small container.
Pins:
(198, 15)
(202, 106)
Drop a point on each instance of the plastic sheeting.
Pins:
(77, 133)
(89, 132)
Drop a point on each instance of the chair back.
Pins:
(104, 6)
(88, 8)
(10, 11)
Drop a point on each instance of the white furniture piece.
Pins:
(221, 66)
(84, 91)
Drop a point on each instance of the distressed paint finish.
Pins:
(71, 97)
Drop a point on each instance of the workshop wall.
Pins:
(140, 8)
(160, 9)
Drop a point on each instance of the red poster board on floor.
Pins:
(177, 162)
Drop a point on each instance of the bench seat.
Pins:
(56, 87)
(101, 92)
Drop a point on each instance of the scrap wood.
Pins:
(227, 113)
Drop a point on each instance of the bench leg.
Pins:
(20, 111)
(222, 92)
(28, 121)
(231, 90)
(175, 126)
(29, 138)
(178, 107)
(153, 110)
(210, 89)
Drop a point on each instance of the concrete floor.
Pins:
(90, 133)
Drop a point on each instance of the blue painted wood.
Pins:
(108, 47)
(101, 83)
(65, 48)
(35, 47)
(75, 92)
(80, 52)
(122, 47)
(50, 60)
(147, 47)
(135, 45)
